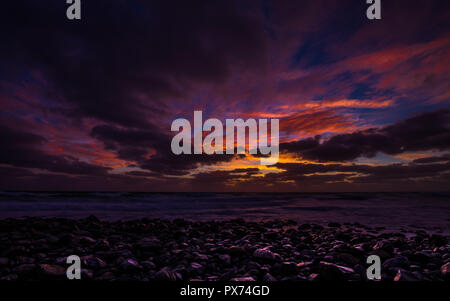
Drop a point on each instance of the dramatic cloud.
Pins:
(428, 131)
(23, 149)
(87, 105)
(151, 150)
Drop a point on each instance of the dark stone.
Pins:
(269, 278)
(384, 246)
(149, 244)
(396, 262)
(92, 262)
(165, 275)
(330, 271)
(130, 265)
(52, 270)
(265, 254)
(403, 275)
(445, 271)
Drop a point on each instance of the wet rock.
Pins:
(268, 278)
(445, 271)
(420, 257)
(65, 240)
(196, 268)
(304, 227)
(86, 240)
(265, 254)
(107, 276)
(165, 275)
(9, 277)
(102, 245)
(438, 240)
(384, 246)
(86, 274)
(130, 265)
(147, 264)
(24, 260)
(287, 268)
(52, 270)
(403, 275)
(396, 262)
(92, 262)
(330, 271)
(151, 244)
(224, 258)
(347, 259)
(248, 278)
(24, 269)
(92, 219)
(236, 251)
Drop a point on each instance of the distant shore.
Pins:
(151, 249)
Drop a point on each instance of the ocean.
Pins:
(390, 210)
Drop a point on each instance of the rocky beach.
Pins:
(36, 248)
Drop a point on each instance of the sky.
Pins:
(87, 105)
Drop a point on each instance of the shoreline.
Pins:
(35, 248)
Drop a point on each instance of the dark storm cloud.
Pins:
(332, 177)
(151, 150)
(362, 171)
(427, 131)
(433, 159)
(22, 149)
(124, 57)
(131, 144)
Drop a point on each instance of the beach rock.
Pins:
(420, 257)
(147, 264)
(92, 262)
(52, 270)
(65, 240)
(269, 278)
(196, 268)
(403, 275)
(24, 269)
(149, 244)
(248, 278)
(86, 274)
(396, 262)
(9, 277)
(130, 265)
(86, 240)
(304, 227)
(165, 275)
(347, 259)
(445, 271)
(265, 254)
(236, 251)
(102, 245)
(287, 268)
(330, 271)
(384, 246)
(438, 240)
(224, 258)
(107, 276)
